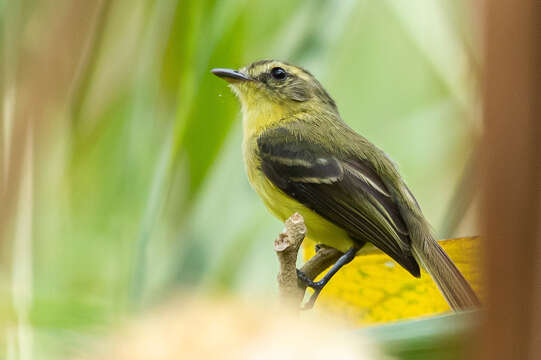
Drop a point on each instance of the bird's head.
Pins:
(276, 85)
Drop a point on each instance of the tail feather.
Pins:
(454, 287)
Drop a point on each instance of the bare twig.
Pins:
(287, 246)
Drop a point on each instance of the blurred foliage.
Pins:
(138, 183)
(445, 337)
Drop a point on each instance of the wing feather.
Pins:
(344, 190)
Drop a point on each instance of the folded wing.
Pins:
(345, 190)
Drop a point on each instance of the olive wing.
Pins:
(344, 190)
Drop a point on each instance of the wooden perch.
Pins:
(287, 246)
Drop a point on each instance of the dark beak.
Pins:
(230, 75)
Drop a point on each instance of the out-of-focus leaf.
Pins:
(433, 34)
(200, 127)
(373, 288)
(445, 337)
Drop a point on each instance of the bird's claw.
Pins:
(316, 285)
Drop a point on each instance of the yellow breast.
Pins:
(282, 206)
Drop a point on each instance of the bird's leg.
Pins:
(307, 280)
(319, 285)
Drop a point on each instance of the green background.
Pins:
(140, 191)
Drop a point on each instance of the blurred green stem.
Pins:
(462, 197)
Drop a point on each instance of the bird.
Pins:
(300, 156)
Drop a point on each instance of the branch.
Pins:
(325, 257)
(287, 246)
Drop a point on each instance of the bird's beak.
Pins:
(230, 76)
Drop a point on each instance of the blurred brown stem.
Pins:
(511, 178)
(287, 246)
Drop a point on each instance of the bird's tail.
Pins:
(454, 287)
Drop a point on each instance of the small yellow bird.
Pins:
(301, 157)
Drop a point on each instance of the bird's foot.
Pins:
(304, 279)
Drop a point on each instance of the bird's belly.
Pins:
(282, 206)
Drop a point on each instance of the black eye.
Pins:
(278, 73)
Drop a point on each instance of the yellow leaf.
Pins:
(373, 288)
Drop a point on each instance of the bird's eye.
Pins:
(278, 73)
